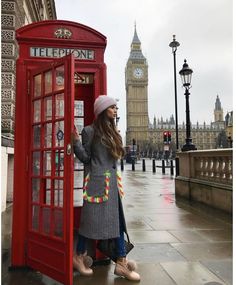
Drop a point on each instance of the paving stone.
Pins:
(137, 224)
(190, 273)
(222, 268)
(204, 251)
(217, 235)
(152, 237)
(188, 236)
(152, 253)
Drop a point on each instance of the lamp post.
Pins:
(117, 118)
(186, 76)
(174, 44)
(133, 155)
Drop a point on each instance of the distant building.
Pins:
(136, 82)
(229, 128)
(204, 136)
(149, 136)
(218, 115)
(14, 14)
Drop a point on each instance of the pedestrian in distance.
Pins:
(102, 215)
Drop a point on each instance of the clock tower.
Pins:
(136, 83)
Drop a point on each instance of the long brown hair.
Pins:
(106, 130)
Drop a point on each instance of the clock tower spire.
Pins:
(136, 82)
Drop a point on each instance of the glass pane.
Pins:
(35, 218)
(78, 179)
(59, 133)
(78, 165)
(46, 220)
(37, 85)
(58, 223)
(47, 108)
(35, 189)
(83, 78)
(48, 135)
(48, 82)
(59, 106)
(37, 111)
(78, 197)
(79, 123)
(47, 163)
(59, 78)
(48, 191)
(79, 108)
(37, 136)
(58, 193)
(59, 163)
(36, 163)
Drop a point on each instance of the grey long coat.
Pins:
(99, 220)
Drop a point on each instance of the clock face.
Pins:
(138, 72)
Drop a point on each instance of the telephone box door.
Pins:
(50, 226)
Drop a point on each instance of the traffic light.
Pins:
(165, 137)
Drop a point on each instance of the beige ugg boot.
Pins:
(123, 269)
(81, 263)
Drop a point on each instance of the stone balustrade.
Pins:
(213, 166)
(206, 176)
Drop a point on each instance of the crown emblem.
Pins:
(63, 33)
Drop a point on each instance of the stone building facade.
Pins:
(229, 128)
(204, 136)
(136, 83)
(14, 14)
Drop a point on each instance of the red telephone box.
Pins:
(60, 72)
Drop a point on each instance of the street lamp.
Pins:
(186, 76)
(117, 118)
(174, 44)
(133, 154)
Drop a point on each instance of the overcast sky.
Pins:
(202, 27)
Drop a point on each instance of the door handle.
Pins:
(68, 149)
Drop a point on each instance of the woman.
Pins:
(102, 214)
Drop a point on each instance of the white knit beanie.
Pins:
(102, 103)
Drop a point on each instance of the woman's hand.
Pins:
(75, 135)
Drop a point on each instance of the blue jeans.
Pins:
(81, 244)
(120, 242)
(120, 245)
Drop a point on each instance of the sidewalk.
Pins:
(175, 242)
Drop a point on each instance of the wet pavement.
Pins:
(176, 242)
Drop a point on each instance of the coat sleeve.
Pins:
(83, 150)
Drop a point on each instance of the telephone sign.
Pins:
(55, 52)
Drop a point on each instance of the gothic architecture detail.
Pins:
(15, 14)
(218, 115)
(204, 136)
(136, 82)
(218, 112)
